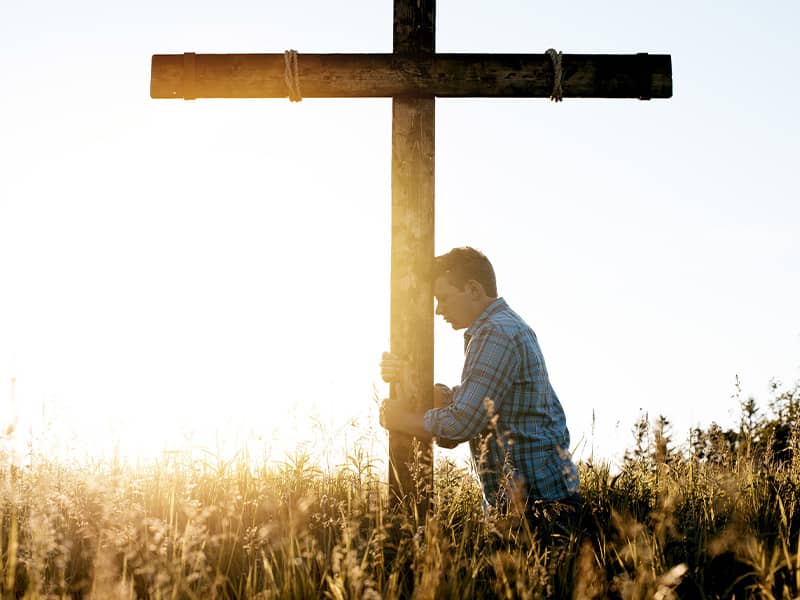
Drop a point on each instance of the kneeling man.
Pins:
(505, 406)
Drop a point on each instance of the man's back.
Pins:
(527, 437)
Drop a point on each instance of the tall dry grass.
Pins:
(669, 525)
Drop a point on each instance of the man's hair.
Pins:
(462, 264)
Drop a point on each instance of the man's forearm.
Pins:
(412, 423)
(408, 422)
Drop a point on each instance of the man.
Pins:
(505, 406)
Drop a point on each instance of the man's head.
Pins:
(464, 285)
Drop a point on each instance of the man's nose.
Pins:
(438, 309)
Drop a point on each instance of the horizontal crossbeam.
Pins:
(382, 75)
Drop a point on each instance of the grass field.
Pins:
(716, 519)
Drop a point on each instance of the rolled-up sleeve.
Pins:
(489, 371)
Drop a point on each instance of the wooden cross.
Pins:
(413, 76)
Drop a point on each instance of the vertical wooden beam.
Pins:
(412, 289)
(411, 332)
(414, 26)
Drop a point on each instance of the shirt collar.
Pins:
(496, 306)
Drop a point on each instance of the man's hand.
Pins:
(442, 396)
(397, 371)
(396, 418)
(393, 368)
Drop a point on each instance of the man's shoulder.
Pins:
(501, 329)
(507, 322)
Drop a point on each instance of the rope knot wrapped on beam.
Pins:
(292, 75)
(557, 95)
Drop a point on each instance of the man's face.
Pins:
(455, 305)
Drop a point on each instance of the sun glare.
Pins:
(244, 307)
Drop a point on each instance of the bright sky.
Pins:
(213, 271)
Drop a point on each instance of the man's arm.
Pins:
(489, 372)
(397, 418)
(394, 417)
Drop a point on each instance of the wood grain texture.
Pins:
(414, 27)
(411, 331)
(413, 166)
(387, 75)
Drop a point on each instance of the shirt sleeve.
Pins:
(489, 371)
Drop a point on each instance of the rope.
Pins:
(557, 95)
(292, 75)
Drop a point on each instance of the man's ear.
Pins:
(475, 289)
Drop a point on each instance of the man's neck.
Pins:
(480, 308)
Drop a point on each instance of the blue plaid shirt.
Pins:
(507, 409)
